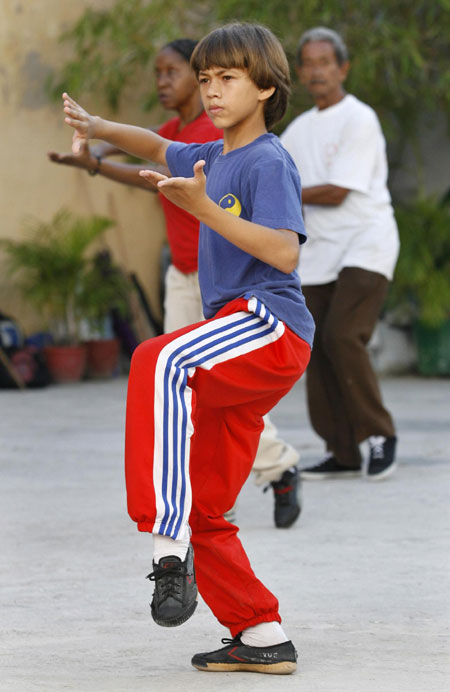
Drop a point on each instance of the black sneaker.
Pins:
(382, 457)
(175, 595)
(279, 659)
(287, 498)
(329, 468)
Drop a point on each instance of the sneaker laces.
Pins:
(169, 580)
(233, 640)
(376, 443)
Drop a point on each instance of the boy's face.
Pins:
(230, 97)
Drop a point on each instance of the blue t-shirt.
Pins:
(258, 182)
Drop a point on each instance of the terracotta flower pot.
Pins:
(102, 357)
(66, 363)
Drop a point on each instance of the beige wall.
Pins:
(31, 126)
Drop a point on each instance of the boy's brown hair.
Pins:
(254, 48)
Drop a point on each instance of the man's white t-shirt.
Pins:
(343, 145)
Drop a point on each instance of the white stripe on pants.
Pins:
(183, 306)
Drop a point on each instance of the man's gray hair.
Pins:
(321, 33)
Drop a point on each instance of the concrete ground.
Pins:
(362, 578)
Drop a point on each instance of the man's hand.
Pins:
(81, 121)
(187, 193)
(84, 159)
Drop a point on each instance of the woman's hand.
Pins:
(84, 159)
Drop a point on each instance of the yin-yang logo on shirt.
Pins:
(231, 204)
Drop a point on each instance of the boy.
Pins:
(196, 397)
(276, 461)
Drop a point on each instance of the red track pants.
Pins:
(196, 398)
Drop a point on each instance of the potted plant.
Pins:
(105, 290)
(421, 283)
(50, 265)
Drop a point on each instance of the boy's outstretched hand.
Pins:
(81, 121)
(187, 193)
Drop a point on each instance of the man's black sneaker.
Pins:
(329, 468)
(279, 659)
(382, 457)
(175, 595)
(287, 498)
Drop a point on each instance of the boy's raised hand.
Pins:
(187, 193)
(80, 120)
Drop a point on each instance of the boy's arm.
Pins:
(278, 247)
(134, 140)
(105, 150)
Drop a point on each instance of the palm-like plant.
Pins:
(50, 266)
(104, 288)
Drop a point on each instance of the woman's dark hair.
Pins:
(254, 48)
(182, 46)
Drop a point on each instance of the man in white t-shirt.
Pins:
(352, 248)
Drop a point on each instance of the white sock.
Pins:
(164, 545)
(264, 634)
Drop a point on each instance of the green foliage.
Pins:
(50, 265)
(115, 48)
(399, 54)
(422, 275)
(399, 50)
(103, 288)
